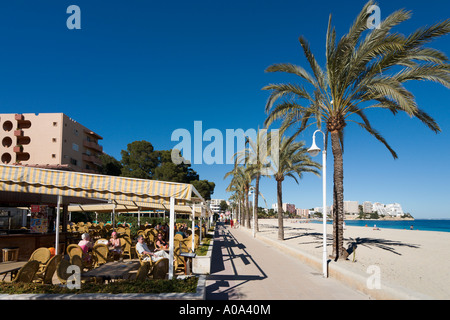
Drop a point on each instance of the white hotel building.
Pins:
(391, 209)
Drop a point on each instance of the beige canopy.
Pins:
(120, 191)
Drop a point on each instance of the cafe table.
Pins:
(10, 267)
(188, 256)
(113, 270)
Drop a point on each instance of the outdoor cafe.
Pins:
(52, 195)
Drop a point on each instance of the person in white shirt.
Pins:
(143, 249)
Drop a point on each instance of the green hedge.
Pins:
(204, 246)
(188, 285)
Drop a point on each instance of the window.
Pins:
(73, 161)
(55, 124)
(75, 132)
(53, 139)
(53, 156)
(75, 146)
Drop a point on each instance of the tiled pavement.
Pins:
(245, 268)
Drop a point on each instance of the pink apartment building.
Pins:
(49, 140)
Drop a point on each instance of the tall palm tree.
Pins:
(256, 157)
(293, 160)
(241, 182)
(361, 72)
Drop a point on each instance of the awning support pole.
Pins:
(114, 217)
(193, 226)
(139, 217)
(58, 214)
(200, 223)
(171, 236)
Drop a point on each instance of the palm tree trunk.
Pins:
(338, 197)
(241, 210)
(246, 221)
(258, 176)
(280, 210)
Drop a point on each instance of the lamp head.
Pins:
(314, 150)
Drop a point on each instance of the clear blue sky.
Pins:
(138, 70)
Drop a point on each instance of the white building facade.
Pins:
(391, 209)
(351, 207)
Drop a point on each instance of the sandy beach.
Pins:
(413, 260)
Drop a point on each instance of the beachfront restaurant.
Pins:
(42, 194)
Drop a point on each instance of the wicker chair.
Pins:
(77, 261)
(143, 271)
(188, 242)
(27, 272)
(160, 269)
(42, 255)
(100, 255)
(46, 276)
(74, 249)
(141, 232)
(141, 258)
(126, 248)
(178, 237)
(150, 235)
(179, 261)
(61, 271)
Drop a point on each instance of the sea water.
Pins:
(442, 225)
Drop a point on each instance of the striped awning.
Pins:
(77, 184)
(127, 208)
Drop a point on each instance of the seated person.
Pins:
(160, 244)
(143, 249)
(86, 245)
(181, 231)
(114, 244)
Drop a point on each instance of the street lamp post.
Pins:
(314, 151)
(252, 191)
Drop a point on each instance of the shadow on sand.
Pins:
(351, 243)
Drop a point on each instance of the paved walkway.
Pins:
(248, 269)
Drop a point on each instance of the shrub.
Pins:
(188, 285)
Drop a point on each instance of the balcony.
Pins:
(18, 149)
(93, 145)
(91, 158)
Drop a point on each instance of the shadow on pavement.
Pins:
(225, 282)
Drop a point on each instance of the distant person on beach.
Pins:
(375, 227)
(411, 228)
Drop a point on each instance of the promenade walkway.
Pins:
(245, 268)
